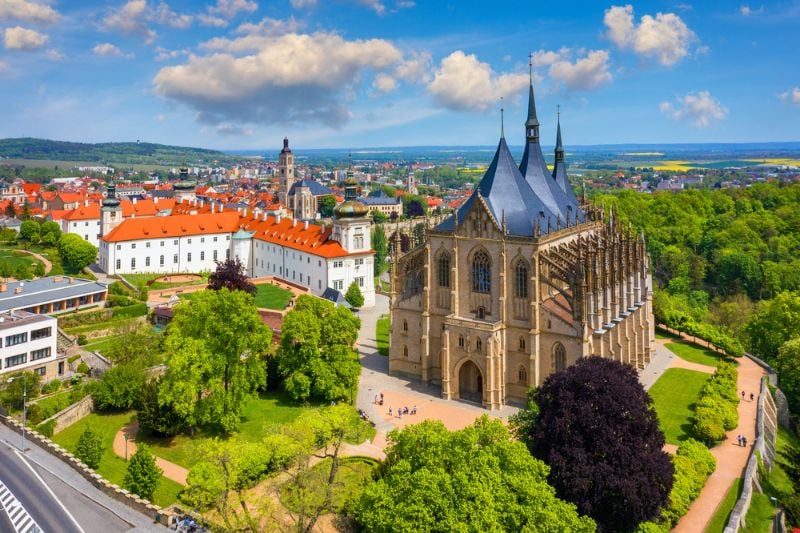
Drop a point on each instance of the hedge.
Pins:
(79, 319)
(47, 428)
(693, 464)
(130, 311)
(683, 322)
(716, 410)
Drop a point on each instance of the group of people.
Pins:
(752, 396)
(404, 411)
(742, 440)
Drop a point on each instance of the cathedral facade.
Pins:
(522, 281)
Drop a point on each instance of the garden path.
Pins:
(172, 471)
(48, 266)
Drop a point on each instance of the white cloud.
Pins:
(544, 58)
(384, 83)
(664, 36)
(3, 67)
(254, 36)
(233, 130)
(415, 69)
(54, 55)
(210, 20)
(292, 78)
(378, 6)
(19, 38)
(164, 15)
(700, 109)
(230, 8)
(27, 11)
(106, 49)
(464, 83)
(746, 10)
(130, 19)
(586, 73)
(163, 54)
(792, 95)
(301, 4)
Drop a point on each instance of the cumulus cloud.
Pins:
(791, 96)
(301, 4)
(464, 83)
(19, 38)
(292, 78)
(384, 83)
(664, 36)
(700, 109)
(54, 55)
(211, 20)
(415, 69)
(378, 6)
(130, 19)
(746, 10)
(165, 16)
(230, 8)
(163, 54)
(106, 49)
(544, 58)
(254, 37)
(233, 130)
(27, 11)
(584, 74)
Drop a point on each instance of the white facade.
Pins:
(27, 342)
(170, 255)
(89, 230)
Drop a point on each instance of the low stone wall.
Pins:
(110, 489)
(71, 414)
(766, 429)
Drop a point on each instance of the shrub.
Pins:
(143, 474)
(82, 340)
(130, 311)
(33, 414)
(87, 317)
(160, 420)
(90, 448)
(115, 300)
(47, 428)
(715, 411)
(83, 368)
(119, 388)
(51, 387)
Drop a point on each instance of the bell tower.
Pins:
(285, 171)
(111, 212)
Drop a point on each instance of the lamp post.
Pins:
(24, 411)
(126, 446)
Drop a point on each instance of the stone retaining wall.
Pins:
(110, 489)
(69, 415)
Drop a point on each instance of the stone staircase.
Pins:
(63, 341)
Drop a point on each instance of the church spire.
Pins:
(559, 146)
(532, 124)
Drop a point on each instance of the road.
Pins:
(58, 498)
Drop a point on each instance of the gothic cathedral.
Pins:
(523, 280)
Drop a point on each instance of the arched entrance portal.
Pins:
(470, 382)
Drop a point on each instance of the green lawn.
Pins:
(140, 280)
(272, 297)
(674, 396)
(111, 467)
(382, 334)
(723, 512)
(58, 402)
(353, 474)
(15, 258)
(99, 344)
(99, 326)
(270, 408)
(759, 516)
(696, 354)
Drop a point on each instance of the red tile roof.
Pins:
(133, 229)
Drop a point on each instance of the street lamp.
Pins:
(24, 411)
(126, 446)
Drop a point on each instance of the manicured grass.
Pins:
(723, 512)
(353, 474)
(269, 409)
(674, 396)
(382, 334)
(100, 344)
(111, 467)
(272, 297)
(100, 326)
(58, 402)
(696, 354)
(15, 258)
(759, 516)
(140, 280)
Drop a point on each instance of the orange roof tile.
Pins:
(133, 229)
(70, 197)
(58, 214)
(90, 212)
(31, 188)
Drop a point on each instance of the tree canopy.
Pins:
(143, 474)
(788, 364)
(774, 322)
(231, 275)
(475, 479)
(598, 431)
(75, 251)
(354, 297)
(316, 356)
(215, 346)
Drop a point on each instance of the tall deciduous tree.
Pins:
(231, 275)
(119, 387)
(327, 205)
(789, 373)
(774, 322)
(154, 418)
(475, 479)
(75, 251)
(381, 246)
(316, 356)
(354, 297)
(216, 344)
(30, 231)
(598, 431)
(143, 474)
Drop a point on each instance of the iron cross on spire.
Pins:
(530, 67)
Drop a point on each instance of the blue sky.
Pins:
(234, 74)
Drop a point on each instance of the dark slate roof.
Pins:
(380, 193)
(506, 193)
(161, 193)
(336, 297)
(379, 200)
(560, 175)
(45, 290)
(316, 188)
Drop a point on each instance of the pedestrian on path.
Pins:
(744, 440)
(739, 440)
(751, 396)
(742, 395)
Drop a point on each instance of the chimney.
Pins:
(212, 207)
(278, 218)
(57, 279)
(133, 200)
(294, 222)
(85, 202)
(305, 225)
(3, 287)
(18, 290)
(71, 280)
(265, 216)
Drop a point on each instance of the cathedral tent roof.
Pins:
(508, 197)
(560, 171)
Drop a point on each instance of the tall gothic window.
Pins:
(444, 270)
(521, 279)
(559, 357)
(523, 375)
(481, 272)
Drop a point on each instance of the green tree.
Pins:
(38, 270)
(23, 271)
(154, 418)
(119, 387)
(51, 227)
(381, 246)
(523, 421)
(75, 251)
(475, 479)
(143, 474)
(354, 297)
(316, 355)
(90, 448)
(11, 209)
(135, 342)
(379, 217)
(29, 231)
(327, 205)
(17, 384)
(216, 345)
(774, 322)
(788, 364)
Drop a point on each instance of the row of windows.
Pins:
(482, 274)
(174, 259)
(174, 242)
(19, 338)
(42, 333)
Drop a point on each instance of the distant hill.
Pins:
(131, 153)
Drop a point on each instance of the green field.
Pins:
(696, 354)
(99, 345)
(111, 467)
(270, 408)
(723, 512)
(15, 258)
(674, 396)
(382, 334)
(267, 296)
(759, 515)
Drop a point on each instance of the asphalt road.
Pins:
(53, 502)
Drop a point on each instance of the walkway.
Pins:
(48, 266)
(171, 470)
